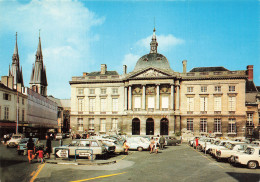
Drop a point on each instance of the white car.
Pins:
(221, 145)
(232, 148)
(250, 157)
(15, 140)
(138, 143)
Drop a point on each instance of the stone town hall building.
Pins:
(154, 99)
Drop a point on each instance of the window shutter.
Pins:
(165, 102)
(137, 102)
(206, 103)
(150, 102)
(202, 104)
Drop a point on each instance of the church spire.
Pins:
(39, 50)
(15, 54)
(153, 43)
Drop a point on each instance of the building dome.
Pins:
(152, 60)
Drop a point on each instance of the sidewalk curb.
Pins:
(80, 163)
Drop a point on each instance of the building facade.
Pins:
(153, 99)
(29, 107)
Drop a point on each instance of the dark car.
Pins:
(171, 141)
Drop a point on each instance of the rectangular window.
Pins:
(115, 91)
(217, 104)
(102, 125)
(165, 102)
(80, 124)
(114, 123)
(80, 104)
(217, 88)
(232, 104)
(232, 88)
(203, 89)
(137, 103)
(80, 91)
(231, 125)
(150, 102)
(115, 105)
(103, 91)
(6, 113)
(190, 124)
(91, 91)
(203, 125)
(92, 105)
(6, 96)
(23, 115)
(217, 125)
(190, 103)
(103, 105)
(249, 121)
(203, 104)
(23, 101)
(189, 89)
(91, 124)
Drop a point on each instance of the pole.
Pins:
(17, 108)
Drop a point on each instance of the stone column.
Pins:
(130, 98)
(143, 98)
(178, 96)
(172, 97)
(125, 105)
(157, 96)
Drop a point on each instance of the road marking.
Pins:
(37, 172)
(105, 176)
(121, 158)
(32, 173)
(208, 159)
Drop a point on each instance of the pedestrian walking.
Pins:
(30, 149)
(156, 143)
(40, 153)
(126, 147)
(152, 145)
(161, 141)
(48, 146)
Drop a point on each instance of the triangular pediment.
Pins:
(149, 73)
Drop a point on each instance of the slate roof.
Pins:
(208, 69)
(250, 86)
(98, 73)
(155, 60)
(5, 87)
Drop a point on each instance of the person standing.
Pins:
(197, 142)
(155, 145)
(40, 155)
(48, 146)
(30, 149)
(161, 141)
(151, 145)
(126, 147)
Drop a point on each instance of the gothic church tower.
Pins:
(15, 70)
(38, 82)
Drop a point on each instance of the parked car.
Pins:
(22, 146)
(231, 148)
(90, 144)
(250, 157)
(221, 144)
(171, 140)
(60, 136)
(138, 143)
(14, 141)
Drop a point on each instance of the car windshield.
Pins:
(84, 143)
(216, 142)
(16, 137)
(222, 144)
(25, 140)
(249, 151)
(74, 143)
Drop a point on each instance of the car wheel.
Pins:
(93, 157)
(252, 164)
(140, 149)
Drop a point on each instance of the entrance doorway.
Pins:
(149, 126)
(135, 126)
(164, 127)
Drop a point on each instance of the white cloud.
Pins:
(165, 42)
(65, 35)
(130, 60)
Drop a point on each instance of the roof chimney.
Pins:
(103, 69)
(250, 72)
(184, 64)
(125, 69)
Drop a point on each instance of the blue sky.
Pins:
(78, 36)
